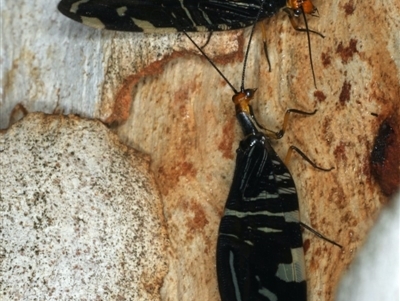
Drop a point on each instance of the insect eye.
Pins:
(249, 93)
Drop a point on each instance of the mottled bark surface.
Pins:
(164, 99)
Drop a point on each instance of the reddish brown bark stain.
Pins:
(345, 93)
(326, 59)
(347, 53)
(169, 174)
(349, 8)
(199, 220)
(123, 100)
(340, 152)
(319, 95)
(306, 245)
(225, 146)
(318, 252)
(385, 159)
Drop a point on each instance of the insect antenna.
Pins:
(245, 56)
(215, 66)
(211, 62)
(292, 14)
(248, 46)
(307, 30)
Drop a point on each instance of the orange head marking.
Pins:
(297, 5)
(242, 100)
(308, 7)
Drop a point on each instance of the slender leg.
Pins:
(264, 34)
(208, 39)
(279, 134)
(296, 26)
(320, 235)
(294, 148)
(307, 30)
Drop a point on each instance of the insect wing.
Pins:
(121, 15)
(167, 15)
(259, 249)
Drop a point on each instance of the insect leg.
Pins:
(307, 30)
(294, 148)
(208, 39)
(279, 134)
(295, 24)
(210, 61)
(264, 34)
(320, 235)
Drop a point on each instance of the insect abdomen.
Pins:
(259, 249)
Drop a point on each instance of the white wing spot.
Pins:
(285, 176)
(250, 243)
(187, 12)
(276, 162)
(75, 6)
(223, 27)
(292, 216)
(266, 292)
(121, 11)
(93, 22)
(295, 271)
(234, 278)
(150, 28)
(288, 190)
(205, 16)
(263, 196)
(268, 230)
(229, 235)
(201, 28)
(240, 214)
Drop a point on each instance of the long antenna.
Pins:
(211, 62)
(248, 44)
(245, 56)
(309, 46)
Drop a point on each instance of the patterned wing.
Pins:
(259, 249)
(167, 15)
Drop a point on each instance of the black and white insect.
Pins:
(260, 248)
(178, 15)
(162, 16)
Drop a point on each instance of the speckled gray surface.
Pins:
(81, 219)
